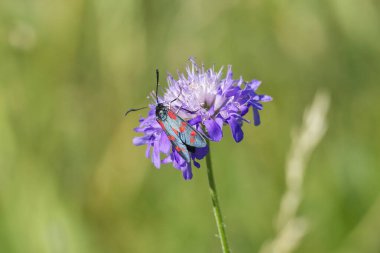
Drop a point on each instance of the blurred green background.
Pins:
(71, 180)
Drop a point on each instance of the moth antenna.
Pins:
(134, 110)
(180, 91)
(157, 78)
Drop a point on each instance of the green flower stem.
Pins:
(215, 204)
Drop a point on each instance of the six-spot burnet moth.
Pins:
(181, 134)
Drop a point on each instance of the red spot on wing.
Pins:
(171, 137)
(175, 130)
(172, 115)
(161, 124)
(183, 126)
(192, 139)
(178, 148)
(193, 133)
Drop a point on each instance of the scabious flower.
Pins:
(208, 102)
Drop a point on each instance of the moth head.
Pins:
(161, 111)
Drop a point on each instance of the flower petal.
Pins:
(166, 160)
(147, 152)
(256, 117)
(178, 161)
(213, 129)
(265, 98)
(200, 153)
(156, 155)
(235, 126)
(219, 102)
(254, 84)
(165, 144)
(220, 122)
(244, 110)
(195, 120)
(187, 173)
(256, 105)
(141, 140)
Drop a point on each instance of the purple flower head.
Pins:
(208, 102)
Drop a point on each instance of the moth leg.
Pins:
(179, 108)
(177, 98)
